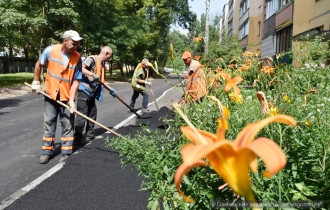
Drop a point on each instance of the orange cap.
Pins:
(186, 55)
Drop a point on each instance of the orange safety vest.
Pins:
(99, 68)
(59, 75)
(196, 83)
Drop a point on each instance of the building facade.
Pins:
(273, 26)
(223, 29)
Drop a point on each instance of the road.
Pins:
(21, 131)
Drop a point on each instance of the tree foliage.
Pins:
(134, 28)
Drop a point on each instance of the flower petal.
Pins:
(248, 133)
(222, 128)
(233, 167)
(191, 135)
(231, 83)
(180, 172)
(271, 154)
(237, 91)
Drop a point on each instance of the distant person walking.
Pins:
(139, 82)
(63, 64)
(196, 83)
(90, 88)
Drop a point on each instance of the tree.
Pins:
(207, 23)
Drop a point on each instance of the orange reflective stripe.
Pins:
(47, 148)
(67, 138)
(48, 138)
(67, 148)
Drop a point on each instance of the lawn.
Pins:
(15, 79)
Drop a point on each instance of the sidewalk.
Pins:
(93, 178)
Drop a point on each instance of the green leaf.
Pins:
(155, 205)
(300, 186)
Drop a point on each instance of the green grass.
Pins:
(15, 79)
(116, 76)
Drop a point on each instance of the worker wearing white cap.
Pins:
(63, 64)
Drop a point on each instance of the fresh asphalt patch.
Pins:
(93, 177)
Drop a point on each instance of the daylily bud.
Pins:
(171, 52)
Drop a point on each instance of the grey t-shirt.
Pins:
(90, 64)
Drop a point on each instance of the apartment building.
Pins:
(273, 26)
(223, 28)
(233, 17)
(311, 17)
(278, 25)
(250, 24)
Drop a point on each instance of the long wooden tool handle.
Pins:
(79, 113)
(153, 96)
(121, 100)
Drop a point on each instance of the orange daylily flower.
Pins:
(267, 69)
(198, 39)
(231, 66)
(247, 54)
(212, 80)
(231, 83)
(232, 159)
(244, 67)
(248, 61)
(197, 57)
(218, 70)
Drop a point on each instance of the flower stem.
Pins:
(280, 173)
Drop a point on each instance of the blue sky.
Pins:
(199, 7)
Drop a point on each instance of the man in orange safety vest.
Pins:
(63, 64)
(90, 88)
(196, 83)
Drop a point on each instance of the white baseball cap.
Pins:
(72, 34)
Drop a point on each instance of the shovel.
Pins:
(121, 100)
(79, 113)
(153, 96)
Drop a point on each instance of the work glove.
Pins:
(72, 106)
(147, 82)
(113, 92)
(36, 86)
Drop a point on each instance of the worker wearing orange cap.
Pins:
(196, 83)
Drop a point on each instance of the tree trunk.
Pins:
(207, 22)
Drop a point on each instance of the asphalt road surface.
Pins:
(92, 178)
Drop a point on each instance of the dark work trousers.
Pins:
(144, 100)
(51, 112)
(85, 105)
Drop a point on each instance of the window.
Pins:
(244, 6)
(230, 8)
(282, 3)
(284, 39)
(230, 25)
(259, 28)
(244, 30)
(271, 7)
